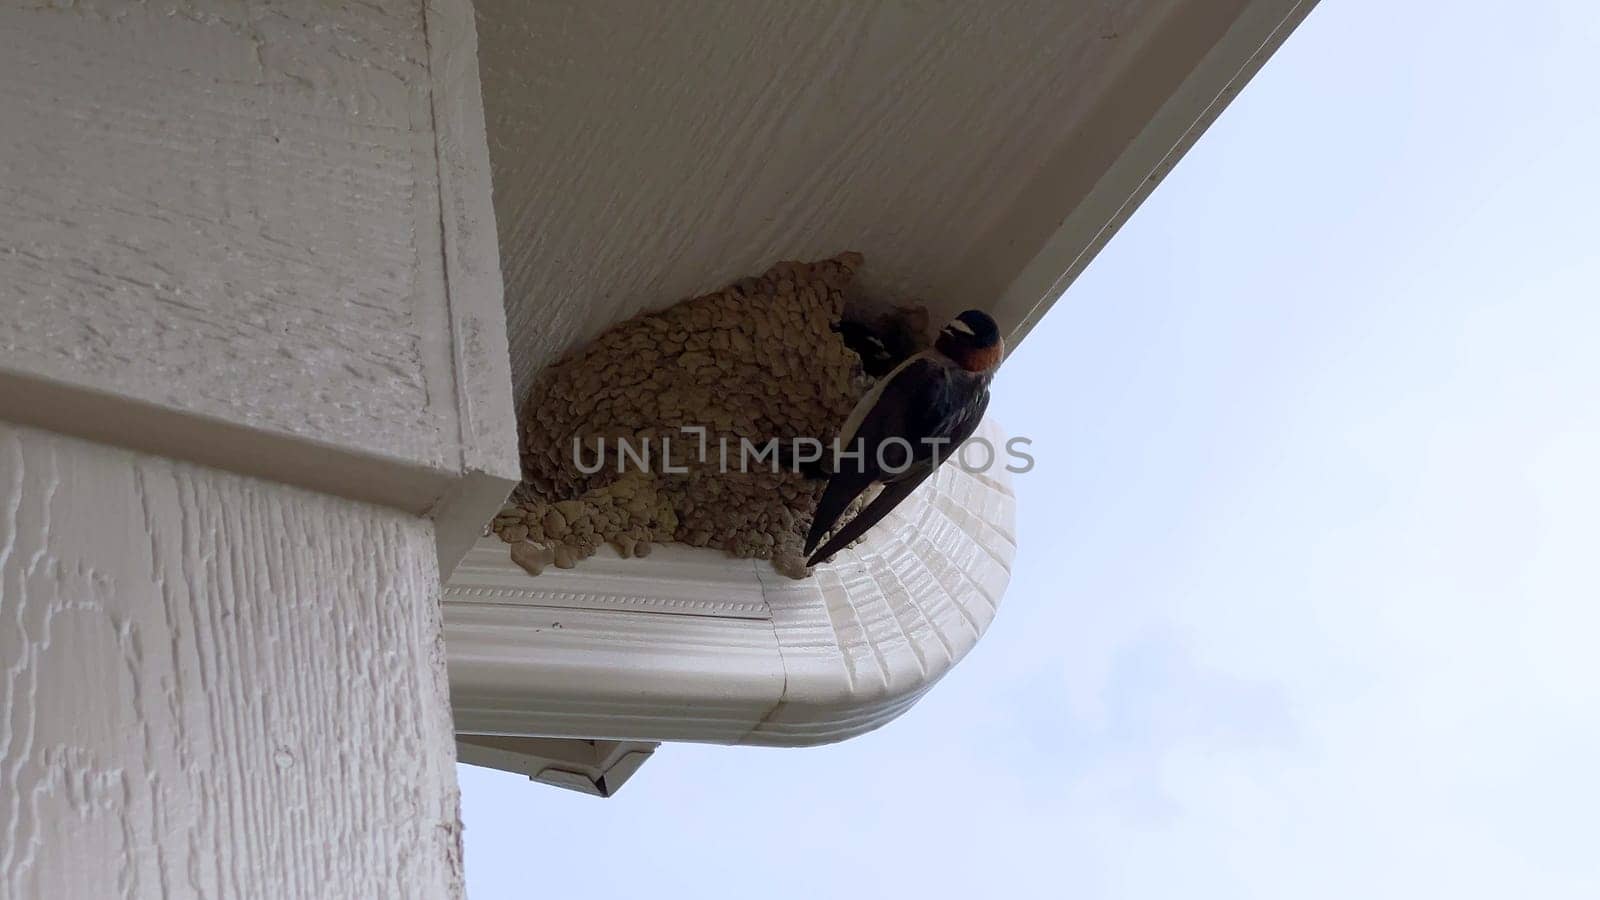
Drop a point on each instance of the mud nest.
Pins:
(757, 360)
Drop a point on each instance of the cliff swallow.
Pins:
(883, 337)
(909, 423)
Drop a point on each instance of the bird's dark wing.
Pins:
(836, 497)
(961, 428)
(893, 492)
(887, 499)
(911, 405)
(899, 407)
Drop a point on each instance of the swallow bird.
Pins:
(912, 420)
(883, 338)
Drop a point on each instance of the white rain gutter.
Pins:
(691, 645)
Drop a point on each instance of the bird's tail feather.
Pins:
(887, 499)
(836, 498)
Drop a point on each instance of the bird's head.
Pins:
(972, 340)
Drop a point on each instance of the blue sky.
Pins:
(1308, 596)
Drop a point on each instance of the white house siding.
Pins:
(252, 368)
(215, 686)
(216, 206)
(268, 226)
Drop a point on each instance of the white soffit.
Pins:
(976, 153)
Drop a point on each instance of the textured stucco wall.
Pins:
(256, 236)
(213, 686)
(269, 224)
(228, 208)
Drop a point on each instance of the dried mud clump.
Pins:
(756, 360)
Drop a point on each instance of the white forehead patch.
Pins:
(958, 325)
